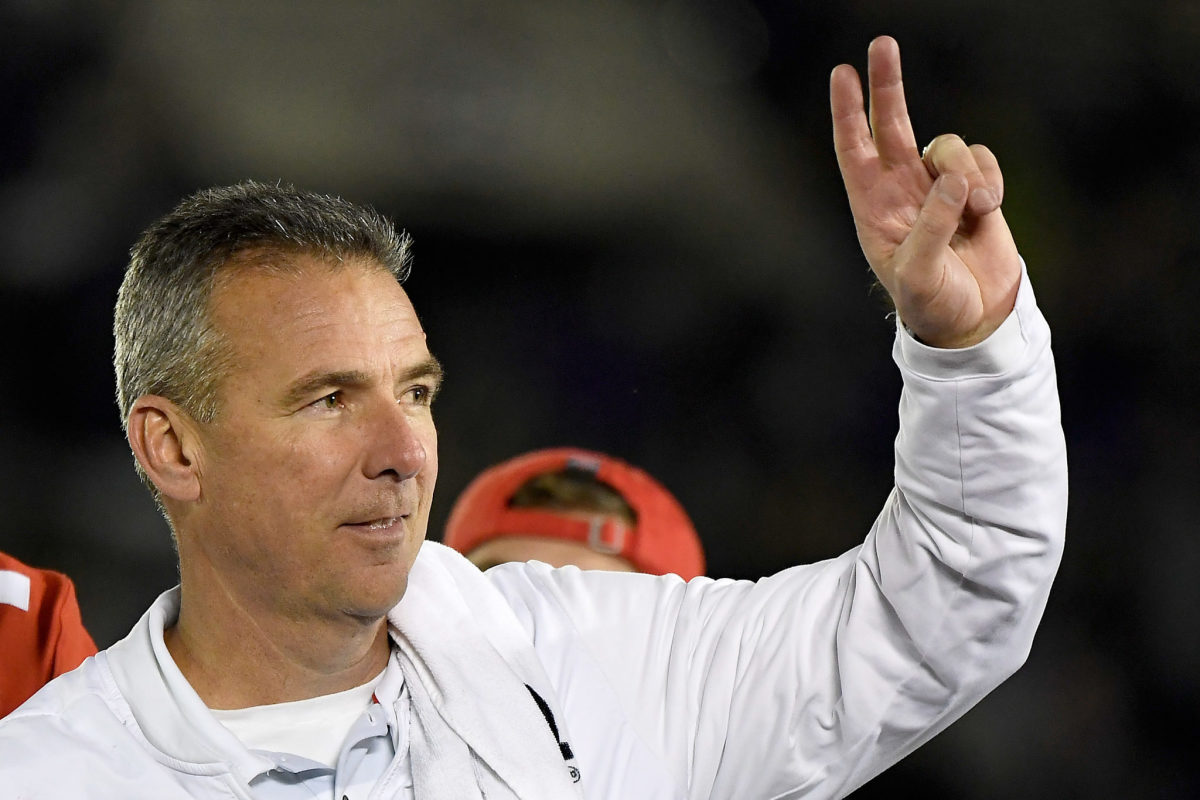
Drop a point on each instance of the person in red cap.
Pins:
(41, 632)
(567, 506)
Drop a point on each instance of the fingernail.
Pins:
(952, 188)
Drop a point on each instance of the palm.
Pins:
(951, 272)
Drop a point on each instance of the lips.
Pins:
(375, 523)
(378, 532)
(378, 516)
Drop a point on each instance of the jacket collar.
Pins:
(476, 664)
(462, 636)
(170, 714)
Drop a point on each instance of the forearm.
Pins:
(834, 671)
(817, 678)
(963, 555)
(981, 475)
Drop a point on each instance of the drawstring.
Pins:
(563, 747)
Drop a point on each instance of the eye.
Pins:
(420, 395)
(329, 402)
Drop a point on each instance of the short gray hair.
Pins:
(165, 343)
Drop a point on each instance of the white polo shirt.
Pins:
(334, 746)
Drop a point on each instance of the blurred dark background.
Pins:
(631, 235)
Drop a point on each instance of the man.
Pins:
(41, 632)
(276, 387)
(567, 506)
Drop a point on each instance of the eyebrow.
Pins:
(305, 387)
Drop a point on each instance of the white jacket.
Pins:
(803, 684)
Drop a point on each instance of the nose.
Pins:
(393, 450)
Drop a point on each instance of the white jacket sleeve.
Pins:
(810, 682)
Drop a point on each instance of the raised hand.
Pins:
(930, 225)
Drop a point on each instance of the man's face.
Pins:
(317, 475)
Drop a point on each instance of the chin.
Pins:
(372, 603)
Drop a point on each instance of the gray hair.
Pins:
(165, 342)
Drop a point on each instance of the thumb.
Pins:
(937, 221)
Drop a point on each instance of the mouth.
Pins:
(375, 523)
(381, 524)
(379, 528)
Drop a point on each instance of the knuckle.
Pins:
(946, 143)
(931, 224)
(946, 150)
(981, 151)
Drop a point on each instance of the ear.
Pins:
(165, 441)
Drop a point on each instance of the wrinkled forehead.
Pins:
(281, 260)
(276, 295)
(248, 269)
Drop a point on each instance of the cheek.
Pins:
(316, 470)
(429, 473)
(431, 453)
(320, 455)
(283, 475)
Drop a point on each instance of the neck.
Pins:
(235, 657)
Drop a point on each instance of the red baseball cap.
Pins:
(662, 539)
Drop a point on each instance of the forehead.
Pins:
(313, 310)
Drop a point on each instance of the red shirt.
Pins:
(41, 633)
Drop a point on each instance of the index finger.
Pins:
(894, 138)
